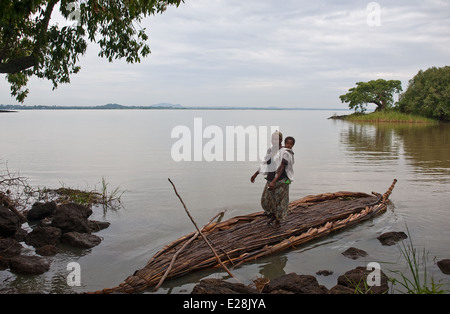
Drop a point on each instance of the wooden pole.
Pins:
(179, 251)
(201, 233)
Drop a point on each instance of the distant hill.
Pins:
(111, 106)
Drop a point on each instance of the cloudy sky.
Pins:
(286, 53)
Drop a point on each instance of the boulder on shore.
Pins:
(43, 236)
(52, 224)
(353, 281)
(444, 266)
(41, 210)
(356, 279)
(96, 225)
(72, 217)
(30, 265)
(9, 247)
(9, 222)
(217, 286)
(81, 240)
(293, 283)
(47, 250)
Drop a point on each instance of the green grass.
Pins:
(389, 117)
(416, 280)
(108, 199)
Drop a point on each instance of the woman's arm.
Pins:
(252, 179)
(277, 176)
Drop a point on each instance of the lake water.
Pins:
(132, 149)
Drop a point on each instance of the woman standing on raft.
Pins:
(278, 166)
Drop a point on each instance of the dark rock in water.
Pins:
(356, 279)
(20, 235)
(31, 265)
(43, 236)
(9, 222)
(82, 240)
(324, 272)
(95, 225)
(339, 289)
(4, 263)
(217, 286)
(354, 253)
(47, 250)
(444, 266)
(41, 210)
(9, 247)
(293, 283)
(391, 238)
(72, 217)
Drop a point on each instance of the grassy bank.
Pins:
(387, 116)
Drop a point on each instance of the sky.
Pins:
(261, 53)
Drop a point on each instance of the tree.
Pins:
(428, 94)
(31, 45)
(379, 92)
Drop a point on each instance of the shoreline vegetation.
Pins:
(386, 116)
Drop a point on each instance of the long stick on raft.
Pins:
(246, 238)
(198, 230)
(174, 257)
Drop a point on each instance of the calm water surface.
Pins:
(132, 150)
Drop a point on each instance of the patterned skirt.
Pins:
(276, 201)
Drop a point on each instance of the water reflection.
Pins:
(371, 141)
(425, 147)
(274, 268)
(428, 148)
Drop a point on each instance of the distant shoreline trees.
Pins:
(379, 92)
(427, 95)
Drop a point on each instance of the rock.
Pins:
(31, 265)
(391, 238)
(95, 225)
(444, 266)
(9, 247)
(354, 253)
(43, 236)
(298, 284)
(82, 240)
(4, 263)
(217, 286)
(41, 210)
(47, 250)
(324, 272)
(20, 235)
(72, 217)
(356, 279)
(9, 223)
(339, 289)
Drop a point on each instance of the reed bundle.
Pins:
(246, 238)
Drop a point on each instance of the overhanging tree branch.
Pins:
(20, 64)
(31, 46)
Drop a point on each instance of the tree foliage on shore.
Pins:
(31, 45)
(428, 94)
(379, 92)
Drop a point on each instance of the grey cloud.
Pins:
(264, 52)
